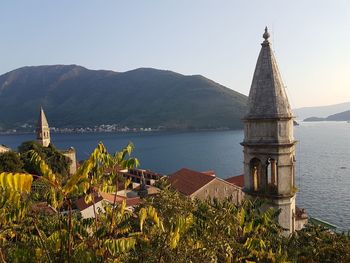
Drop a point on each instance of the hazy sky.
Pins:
(217, 39)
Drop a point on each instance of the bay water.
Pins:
(322, 152)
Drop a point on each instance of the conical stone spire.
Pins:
(42, 122)
(42, 129)
(267, 97)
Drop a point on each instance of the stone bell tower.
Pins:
(269, 145)
(43, 130)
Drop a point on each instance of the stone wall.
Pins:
(219, 189)
(71, 154)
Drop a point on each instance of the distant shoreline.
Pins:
(122, 132)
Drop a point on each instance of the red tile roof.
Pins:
(236, 180)
(133, 201)
(109, 198)
(188, 182)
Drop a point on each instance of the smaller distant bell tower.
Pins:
(43, 130)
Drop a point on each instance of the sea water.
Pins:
(322, 152)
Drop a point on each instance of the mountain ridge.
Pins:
(341, 116)
(73, 95)
(321, 111)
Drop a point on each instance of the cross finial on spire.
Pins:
(266, 34)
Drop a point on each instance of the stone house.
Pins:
(87, 210)
(203, 185)
(4, 148)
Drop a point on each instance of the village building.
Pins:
(136, 175)
(204, 185)
(44, 139)
(269, 144)
(102, 199)
(4, 148)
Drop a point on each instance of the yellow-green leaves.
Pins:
(88, 198)
(248, 228)
(12, 188)
(142, 216)
(127, 183)
(149, 212)
(18, 182)
(174, 238)
(43, 167)
(241, 216)
(121, 245)
(181, 225)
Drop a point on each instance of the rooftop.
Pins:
(237, 180)
(187, 181)
(81, 204)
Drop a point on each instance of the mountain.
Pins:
(73, 96)
(341, 116)
(322, 111)
(311, 119)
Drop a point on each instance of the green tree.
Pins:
(27, 236)
(10, 162)
(317, 244)
(167, 243)
(166, 228)
(54, 158)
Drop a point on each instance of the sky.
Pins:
(214, 38)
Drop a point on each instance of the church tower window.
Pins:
(271, 171)
(255, 173)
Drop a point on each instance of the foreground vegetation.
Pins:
(21, 161)
(165, 228)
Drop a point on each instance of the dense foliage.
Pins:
(10, 162)
(54, 158)
(165, 228)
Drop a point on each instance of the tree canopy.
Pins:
(54, 158)
(166, 228)
(10, 162)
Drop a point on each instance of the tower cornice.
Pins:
(269, 144)
(265, 117)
